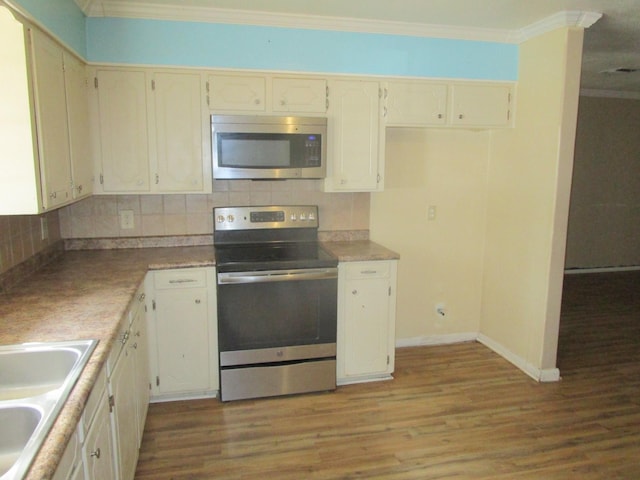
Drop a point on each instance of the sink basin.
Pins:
(35, 382)
(30, 372)
(18, 424)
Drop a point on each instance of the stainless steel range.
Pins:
(277, 302)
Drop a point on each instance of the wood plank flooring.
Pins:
(455, 411)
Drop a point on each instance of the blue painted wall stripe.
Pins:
(63, 18)
(207, 45)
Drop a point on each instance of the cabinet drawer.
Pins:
(367, 270)
(180, 278)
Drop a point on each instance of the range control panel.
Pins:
(274, 216)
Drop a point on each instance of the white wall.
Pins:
(528, 201)
(441, 259)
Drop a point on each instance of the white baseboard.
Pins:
(574, 271)
(539, 375)
(436, 339)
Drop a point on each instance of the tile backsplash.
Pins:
(21, 237)
(157, 215)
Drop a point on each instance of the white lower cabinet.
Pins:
(366, 320)
(128, 405)
(183, 351)
(97, 449)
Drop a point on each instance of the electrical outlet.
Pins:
(431, 212)
(126, 219)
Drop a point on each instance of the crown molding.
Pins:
(578, 19)
(185, 13)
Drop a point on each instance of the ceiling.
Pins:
(611, 43)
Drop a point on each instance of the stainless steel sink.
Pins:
(35, 381)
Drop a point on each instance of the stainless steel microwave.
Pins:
(268, 147)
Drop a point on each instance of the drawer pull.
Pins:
(96, 453)
(368, 272)
(183, 280)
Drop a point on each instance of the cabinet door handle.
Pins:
(354, 292)
(96, 453)
(198, 301)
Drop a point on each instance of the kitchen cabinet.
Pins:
(299, 95)
(95, 434)
(415, 103)
(51, 120)
(40, 121)
(356, 137)
(366, 320)
(77, 96)
(183, 333)
(97, 449)
(70, 466)
(123, 141)
(152, 133)
(237, 93)
(122, 388)
(422, 103)
(140, 347)
(481, 105)
(126, 397)
(254, 94)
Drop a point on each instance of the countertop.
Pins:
(85, 294)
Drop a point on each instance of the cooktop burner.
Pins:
(268, 238)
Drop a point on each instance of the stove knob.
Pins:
(293, 217)
(220, 219)
(312, 216)
(303, 216)
(230, 218)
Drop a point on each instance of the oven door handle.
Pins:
(277, 276)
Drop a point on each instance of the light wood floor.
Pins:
(457, 411)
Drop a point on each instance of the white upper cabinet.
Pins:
(299, 95)
(42, 119)
(237, 92)
(51, 120)
(415, 104)
(481, 105)
(79, 132)
(424, 103)
(123, 138)
(356, 139)
(178, 132)
(152, 132)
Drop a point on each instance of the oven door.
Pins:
(269, 310)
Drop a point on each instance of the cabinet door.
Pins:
(141, 363)
(481, 105)
(182, 331)
(51, 120)
(366, 328)
(122, 387)
(416, 104)
(178, 132)
(98, 449)
(299, 95)
(78, 120)
(354, 136)
(237, 92)
(124, 151)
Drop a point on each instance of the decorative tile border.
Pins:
(137, 242)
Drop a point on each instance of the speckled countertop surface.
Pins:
(85, 294)
(82, 295)
(360, 250)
